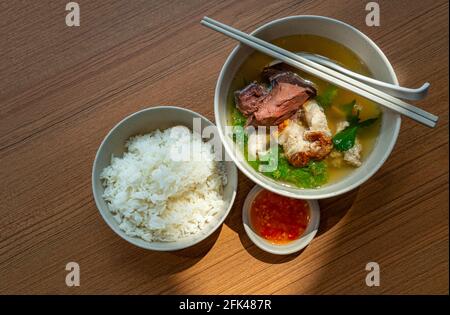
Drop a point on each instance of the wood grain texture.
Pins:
(62, 89)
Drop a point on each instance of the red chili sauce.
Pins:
(277, 218)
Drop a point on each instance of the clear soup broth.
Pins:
(253, 65)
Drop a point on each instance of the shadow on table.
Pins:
(154, 264)
(153, 270)
(199, 250)
(332, 210)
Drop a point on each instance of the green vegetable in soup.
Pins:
(237, 118)
(238, 121)
(345, 139)
(239, 135)
(326, 98)
(313, 175)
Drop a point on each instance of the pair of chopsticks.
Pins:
(324, 73)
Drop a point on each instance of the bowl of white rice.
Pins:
(162, 180)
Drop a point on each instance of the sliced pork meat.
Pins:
(283, 101)
(249, 98)
(269, 107)
(277, 75)
(272, 70)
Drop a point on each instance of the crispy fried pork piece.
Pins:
(264, 108)
(303, 141)
(295, 147)
(301, 145)
(321, 144)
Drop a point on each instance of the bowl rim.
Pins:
(284, 249)
(273, 187)
(148, 245)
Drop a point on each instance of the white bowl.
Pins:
(282, 249)
(346, 35)
(143, 122)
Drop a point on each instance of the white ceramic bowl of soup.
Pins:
(365, 49)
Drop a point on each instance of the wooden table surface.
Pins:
(62, 88)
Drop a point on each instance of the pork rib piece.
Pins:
(306, 136)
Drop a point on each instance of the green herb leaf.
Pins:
(345, 139)
(326, 98)
(353, 119)
(367, 122)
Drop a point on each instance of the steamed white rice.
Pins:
(156, 198)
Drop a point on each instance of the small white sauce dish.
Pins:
(280, 249)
